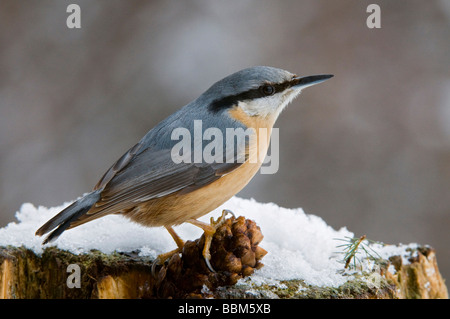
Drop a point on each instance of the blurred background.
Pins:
(368, 150)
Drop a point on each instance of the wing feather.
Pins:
(146, 175)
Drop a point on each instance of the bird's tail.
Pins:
(70, 214)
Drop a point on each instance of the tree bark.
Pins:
(235, 254)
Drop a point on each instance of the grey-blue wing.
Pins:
(141, 175)
(147, 170)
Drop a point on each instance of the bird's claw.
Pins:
(159, 261)
(209, 233)
(155, 263)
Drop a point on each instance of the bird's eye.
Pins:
(268, 89)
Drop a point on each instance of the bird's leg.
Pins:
(178, 240)
(209, 230)
(163, 257)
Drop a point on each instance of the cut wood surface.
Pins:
(235, 254)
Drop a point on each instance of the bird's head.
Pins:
(259, 91)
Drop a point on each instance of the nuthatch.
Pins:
(150, 188)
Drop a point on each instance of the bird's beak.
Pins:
(306, 81)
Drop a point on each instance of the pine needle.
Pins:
(351, 248)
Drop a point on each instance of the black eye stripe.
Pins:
(279, 87)
(229, 101)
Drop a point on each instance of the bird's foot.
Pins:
(161, 259)
(209, 231)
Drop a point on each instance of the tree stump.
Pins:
(235, 255)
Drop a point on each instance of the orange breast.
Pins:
(177, 208)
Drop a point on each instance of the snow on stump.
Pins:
(112, 258)
(235, 254)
